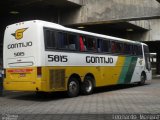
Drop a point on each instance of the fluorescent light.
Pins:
(14, 12)
(81, 27)
(130, 30)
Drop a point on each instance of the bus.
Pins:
(42, 56)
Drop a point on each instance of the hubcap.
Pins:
(73, 87)
(88, 85)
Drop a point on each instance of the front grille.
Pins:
(57, 78)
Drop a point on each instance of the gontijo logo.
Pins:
(19, 33)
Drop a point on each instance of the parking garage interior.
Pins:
(12, 11)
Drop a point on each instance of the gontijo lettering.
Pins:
(19, 45)
(93, 59)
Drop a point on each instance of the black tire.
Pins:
(87, 86)
(73, 87)
(143, 79)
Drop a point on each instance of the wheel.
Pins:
(87, 85)
(73, 87)
(143, 79)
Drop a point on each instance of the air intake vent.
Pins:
(57, 78)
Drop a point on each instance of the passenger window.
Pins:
(72, 42)
(49, 37)
(91, 44)
(117, 47)
(62, 40)
(134, 50)
(113, 47)
(127, 48)
(87, 44)
(106, 46)
(82, 44)
(120, 48)
(67, 41)
(138, 50)
(99, 45)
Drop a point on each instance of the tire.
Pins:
(73, 87)
(143, 79)
(87, 86)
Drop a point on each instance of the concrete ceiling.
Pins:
(13, 5)
(119, 29)
(49, 10)
(12, 11)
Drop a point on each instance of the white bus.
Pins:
(46, 57)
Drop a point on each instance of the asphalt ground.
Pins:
(104, 103)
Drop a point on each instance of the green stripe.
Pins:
(127, 70)
(124, 70)
(131, 70)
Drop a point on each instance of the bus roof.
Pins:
(60, 27)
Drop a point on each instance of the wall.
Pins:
(111, 10)
(155, 30)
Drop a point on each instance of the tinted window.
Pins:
(67, 41)
(49, 37)
(62, 40)
(72, 42)
(117, 47)
(87, 44)
(106, 46)
(128, 48)
(103, 45)
(137, 50)
(90, 44)
(82, 44)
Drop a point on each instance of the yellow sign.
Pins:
(19, 33)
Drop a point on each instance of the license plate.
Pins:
(22, 75)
